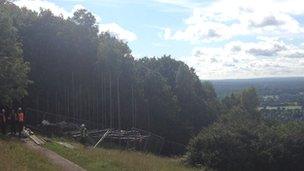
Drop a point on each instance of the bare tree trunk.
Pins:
(47, 103)
(79, 104)
(97, 98)
(68, 101)
(135, 113)
(118, 103)
(133, 107)
(111, 117)
(73, 97)
(56, 102)
(37, 102)
(149, 116)
(104, 101)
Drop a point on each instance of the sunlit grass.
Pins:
(15, 156)
(105, 159)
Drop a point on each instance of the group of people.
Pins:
(12, 120)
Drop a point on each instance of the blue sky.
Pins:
(221, 39)
(146, 19)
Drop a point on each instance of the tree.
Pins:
(197, 102)
(86, 19)
(116, 62)
(247, 145)
(13, 69)
(249, 99)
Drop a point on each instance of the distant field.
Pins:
(14, 156)
(105, 159)
(264, 86)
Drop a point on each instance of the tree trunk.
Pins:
(118, 103)
(111, 117)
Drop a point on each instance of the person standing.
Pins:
(3, 122)
(20, 117)
(13, 122)
(84, 134)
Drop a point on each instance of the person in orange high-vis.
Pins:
(20, 119)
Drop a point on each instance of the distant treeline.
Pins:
(264, 86)
(66, 66)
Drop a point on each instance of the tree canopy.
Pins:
(241, 140)
(13, 69)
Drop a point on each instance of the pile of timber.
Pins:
(33, 137)
(132, 134)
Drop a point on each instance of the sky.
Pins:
(220, 39)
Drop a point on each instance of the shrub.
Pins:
(248, 145)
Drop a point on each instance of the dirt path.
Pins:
(54, 157)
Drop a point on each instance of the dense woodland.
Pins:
(66, 66)
(74, 70)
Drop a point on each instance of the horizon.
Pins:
(219, 39)
(257, 78)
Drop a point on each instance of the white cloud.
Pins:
(225, 19)
(267, 57)
(207, 31)
(118, 31)
(113, 28)
(36, 5)
(179, 3)
(249, 38)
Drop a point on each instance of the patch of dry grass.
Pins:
(15, 156)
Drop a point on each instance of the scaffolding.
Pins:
(137, 139)
(133, 139)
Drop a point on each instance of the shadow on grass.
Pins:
(5, 137)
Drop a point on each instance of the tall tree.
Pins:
(13, 70)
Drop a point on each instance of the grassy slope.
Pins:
(14, 156)
(105, 159)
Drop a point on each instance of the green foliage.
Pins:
(13, 70)
(246, 102)
(249, 99)
(86, 19)
(240, 140)
(196, 101)
(247, 146)
(160, 103)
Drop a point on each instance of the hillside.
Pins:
(106, 159)
(16, 156)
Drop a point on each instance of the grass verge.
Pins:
(15, 156)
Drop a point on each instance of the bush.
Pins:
(248, 145)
